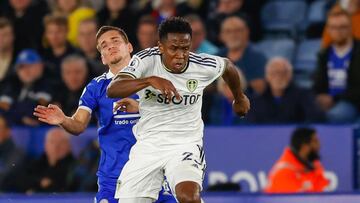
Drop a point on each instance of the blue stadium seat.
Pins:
(305, 62)
(317, 12)
(283, 16)
(306, 55)
(277, 47)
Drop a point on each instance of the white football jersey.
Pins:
(169, 122)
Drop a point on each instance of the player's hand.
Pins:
(127, 105)
(51, 114)
(241, 105)
(165, 86)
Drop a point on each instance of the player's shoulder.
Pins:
(205, 60)
(149, 52)
(102, 78)
(98, 81)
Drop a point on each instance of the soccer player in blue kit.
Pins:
(116, 116)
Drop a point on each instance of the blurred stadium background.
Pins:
(239, 152)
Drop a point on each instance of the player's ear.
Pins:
(103, 60)
(161, 47)
(130, 47)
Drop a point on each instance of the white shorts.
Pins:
(143, 174)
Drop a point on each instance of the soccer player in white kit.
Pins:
(170, 81)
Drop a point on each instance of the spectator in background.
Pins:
(30, 88)
(10, 155)
(56, 29)
(146, 33)
(117, 13)
(353, 8)
(299, 169)
(223, 113)
(188, 7)
(283, 101)
(87, 45)
(7, 51)
(199, 42)
(26, 17)
(75, 76)
(75, 12)
(247, 10)
(162, 9)
(85, 179)
(52, 172)
(235, 35)
(337, 78)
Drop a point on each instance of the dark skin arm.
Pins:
(123, 86)
(241, 104)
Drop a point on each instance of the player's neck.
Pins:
(115, 68)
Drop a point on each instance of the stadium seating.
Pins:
(317, 12)
(277, 47)
(283, 17)
(305, 61)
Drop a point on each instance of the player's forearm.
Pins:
(73, 126)
(232, 79)
(124, 87)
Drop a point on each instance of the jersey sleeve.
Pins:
(88, 99)
(139, 63)
(216, 66)
(220, 67)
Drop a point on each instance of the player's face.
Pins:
(113, 48)
(175, 51)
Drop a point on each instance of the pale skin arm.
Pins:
(77, 123)
(53, 115)
(241, 104)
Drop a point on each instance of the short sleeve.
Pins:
(220, 67)
(215, 65)
(139, 63)
(88, 99)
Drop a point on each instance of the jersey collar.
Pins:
(170, 71)
(109, 75)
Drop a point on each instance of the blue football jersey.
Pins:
(115, 128)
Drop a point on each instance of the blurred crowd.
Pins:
(48, 54)
(297, 66)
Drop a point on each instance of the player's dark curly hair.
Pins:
(174, 25)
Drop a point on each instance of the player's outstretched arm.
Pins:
(241, 104)
(53, 115)
(123, 86)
